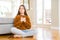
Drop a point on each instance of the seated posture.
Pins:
(21, 23)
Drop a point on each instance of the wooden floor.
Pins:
(55, 36)
(6, 37)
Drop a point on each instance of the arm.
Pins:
(27, 23)
(17, 22)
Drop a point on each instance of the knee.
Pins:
(12, 29)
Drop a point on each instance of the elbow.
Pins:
(28, 27)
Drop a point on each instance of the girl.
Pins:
(21, 23)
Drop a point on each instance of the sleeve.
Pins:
(27, 23)
(16, 22)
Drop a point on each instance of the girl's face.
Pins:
(22, 10)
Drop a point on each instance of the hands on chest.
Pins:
(23, 19)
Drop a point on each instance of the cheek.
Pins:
(21, 10)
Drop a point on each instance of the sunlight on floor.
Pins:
(43, 34)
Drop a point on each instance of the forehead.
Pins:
(21, 7)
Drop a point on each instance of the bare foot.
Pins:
(17, 36)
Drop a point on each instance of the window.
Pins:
(8, 9)
(39, 11)
(5, 8)
(47, 11)
(44, 11)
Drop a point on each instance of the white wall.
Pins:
(55, 16)
(32, 11)
(59, 15)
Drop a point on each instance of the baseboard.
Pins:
(6, 34)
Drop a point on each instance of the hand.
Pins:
(23, 19)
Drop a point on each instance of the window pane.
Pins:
(5, 9)
(43, 11)
(39, 11)
(9, 9)
(47, 11)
